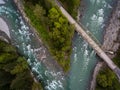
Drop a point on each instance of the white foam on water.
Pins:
(86, 58)
(101, 12)
(94, 17)
(105, 3)
(100, 20)
(109, 6)
(38, 49)
(54, 85)
(23, 32)
(100, 16)
(75, 57)
(29, 61)
(87, 24)
(7, 11)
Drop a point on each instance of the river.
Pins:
(83, 58)
(28, 45)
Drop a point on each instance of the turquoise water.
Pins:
(27, 43)
(83, 59)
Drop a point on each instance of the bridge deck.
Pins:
(93, 44)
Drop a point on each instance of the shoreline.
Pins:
(51, 63)
(109, 44)
(4, 31)
(40, 40)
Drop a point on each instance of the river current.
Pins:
(83, 58)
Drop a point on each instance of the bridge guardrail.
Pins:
(82, 26)
(90, 34)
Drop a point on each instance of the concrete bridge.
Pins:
(92, 43)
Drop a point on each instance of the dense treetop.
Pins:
(53, 28)
(14, 70)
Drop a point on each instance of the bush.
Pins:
(14, 70)
(107, 80)
(53, 28)
(71, 6)
(61, 33)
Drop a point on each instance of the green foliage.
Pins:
(71, 6)
(102, 80)
(5, 78)
(37, 86)
(14, 71)
(22, 81)
(9, 66)
(106, 80)
(53, 28)
(4, 47)
(39, 12)
(6, 57)
(20, 66)
(36, 20)
(116, 59)
(60, 35)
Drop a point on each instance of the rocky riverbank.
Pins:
(44, 54)
(112, 37)
(4, 37)
(4, 31)
(111, 41)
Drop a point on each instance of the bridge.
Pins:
(88, 38)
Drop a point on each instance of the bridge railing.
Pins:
(82, 26)
(90, 34)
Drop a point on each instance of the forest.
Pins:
(54, 29)
(15, 73)
(56, 33)
(71, 6)
(106, 79)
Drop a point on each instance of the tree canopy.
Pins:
(14, 70)
(61, 33)
(53, 28)
(107, 80)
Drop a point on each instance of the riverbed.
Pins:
(83, 59)
(25, 40)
